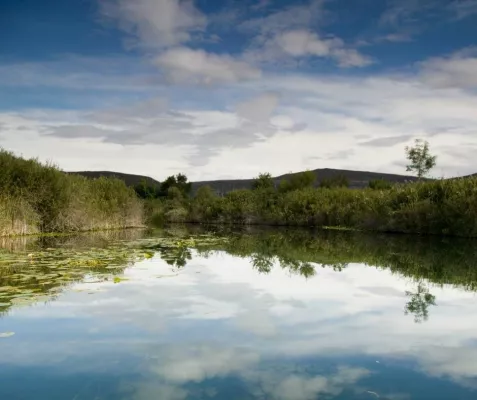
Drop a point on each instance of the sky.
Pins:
(229, 89)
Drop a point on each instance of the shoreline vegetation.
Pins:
(440, 207)
(425, 207)
(38, 198)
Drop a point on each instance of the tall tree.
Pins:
(263, 181)
(420, 159)
(178, 181)
(145, 190)
(183, 184)
(167, 184)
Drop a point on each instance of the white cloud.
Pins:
(73, 72)
(310, 319)
(258, 109)
(84, 150)
(463, 8)
(182, 65)
(311, 121)
(296, 387)
(156, 23)
(300, 43)
(257, 322)
(292, 17)
(291, 32)
(197, 363)
(457, 70)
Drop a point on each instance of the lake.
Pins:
(280, 314)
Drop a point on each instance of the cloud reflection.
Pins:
(218, 318)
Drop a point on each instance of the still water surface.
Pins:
(287, 315)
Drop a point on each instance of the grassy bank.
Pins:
(442, 207)
(39, 198)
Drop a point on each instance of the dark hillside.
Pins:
(129, 179)
(357, 179)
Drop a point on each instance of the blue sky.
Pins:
(231, 88)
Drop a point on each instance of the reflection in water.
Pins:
(39, 267)
(419, 303)
(278, 314)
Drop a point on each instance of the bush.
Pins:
(38, 197)
(380, 184)
(335, 182)
(426, 207)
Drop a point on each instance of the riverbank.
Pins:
(440, 207)
(39, 198)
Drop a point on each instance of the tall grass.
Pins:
(36, 197)
(444, 207)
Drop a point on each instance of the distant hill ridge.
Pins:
(357, 179)
(129, 179)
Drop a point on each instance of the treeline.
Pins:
(442, 207)
(174, 183)
(38, 198)
(425, 207)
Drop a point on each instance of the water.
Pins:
(253, 315)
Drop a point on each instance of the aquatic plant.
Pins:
(39, 269)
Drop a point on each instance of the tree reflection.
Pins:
(262, 263)
(299, 252)
(337, 267)
(176, 257)
(419, 303)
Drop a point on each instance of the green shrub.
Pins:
(40, 198)
(425, 207)
(380, 184)
(335, 182)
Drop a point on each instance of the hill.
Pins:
(357, 179)
(129, 179)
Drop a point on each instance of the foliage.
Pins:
(264, 181)
(205, 205)
(443, 207)
(420, 159)
(145, 190)
(335, 182)
(419, 304)
(38, 197)
(149, 191)
(179, 182)
(298, 181)
(380, 184)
